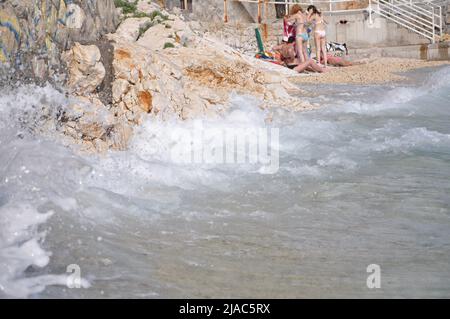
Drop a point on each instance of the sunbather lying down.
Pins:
(287, 54)
(337, 61)
(309, 65)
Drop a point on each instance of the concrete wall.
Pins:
(431, 52)
(357, 31)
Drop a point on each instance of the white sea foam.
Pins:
(20, 248)
(398, 97)
(142, 225)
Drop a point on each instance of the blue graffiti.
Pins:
(70, 13)
(10, 27)
(36, 20)
(3, 49)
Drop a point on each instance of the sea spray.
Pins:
(355, 187)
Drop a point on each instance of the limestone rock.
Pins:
(75, 16)
(39, 68)
(86, 72)
(156, 38)
(129, 29)
(148, 6)
(195, 78)
(119, 88)
(183, 82)
(120, 136)
(145, 101)
(89, 123)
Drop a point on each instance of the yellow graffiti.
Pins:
(62, 11)
(2, 57)
(48, 43)
(53, 17)
(10, 22)
(44, 8)
(10, 34)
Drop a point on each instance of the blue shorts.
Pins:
(304, 36)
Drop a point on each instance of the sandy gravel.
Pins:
(375, 71)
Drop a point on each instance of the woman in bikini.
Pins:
(315, 16)
(297, 18)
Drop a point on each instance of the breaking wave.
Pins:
(139, 221)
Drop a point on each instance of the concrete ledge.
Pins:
(430, 52)
(438, 51)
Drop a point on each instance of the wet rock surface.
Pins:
(153, 64)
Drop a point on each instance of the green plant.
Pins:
(144, 29)
(168, 45)
(141, 14)
(152, 16)
(127, 7)
(156, 13)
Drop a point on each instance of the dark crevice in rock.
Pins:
(105, 89)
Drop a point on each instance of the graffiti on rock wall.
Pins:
(46, 27)
(10, 34)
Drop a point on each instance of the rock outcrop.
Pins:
(60, 41)
(86, 71)
(156, 64)
(91, 125)
(183, 73)
(34, 33)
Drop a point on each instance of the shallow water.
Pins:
(363, 180)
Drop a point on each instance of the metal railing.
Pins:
(263, 6)
(424, 19)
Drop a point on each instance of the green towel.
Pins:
(259, 41)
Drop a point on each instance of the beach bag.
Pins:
(337, 49)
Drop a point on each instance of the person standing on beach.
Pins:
(320, 39)
(297, 18)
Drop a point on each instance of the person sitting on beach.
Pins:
(320, 40)
(286, 52)
(298, 19)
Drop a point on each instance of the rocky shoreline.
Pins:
(143, 61)
(155, 63)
